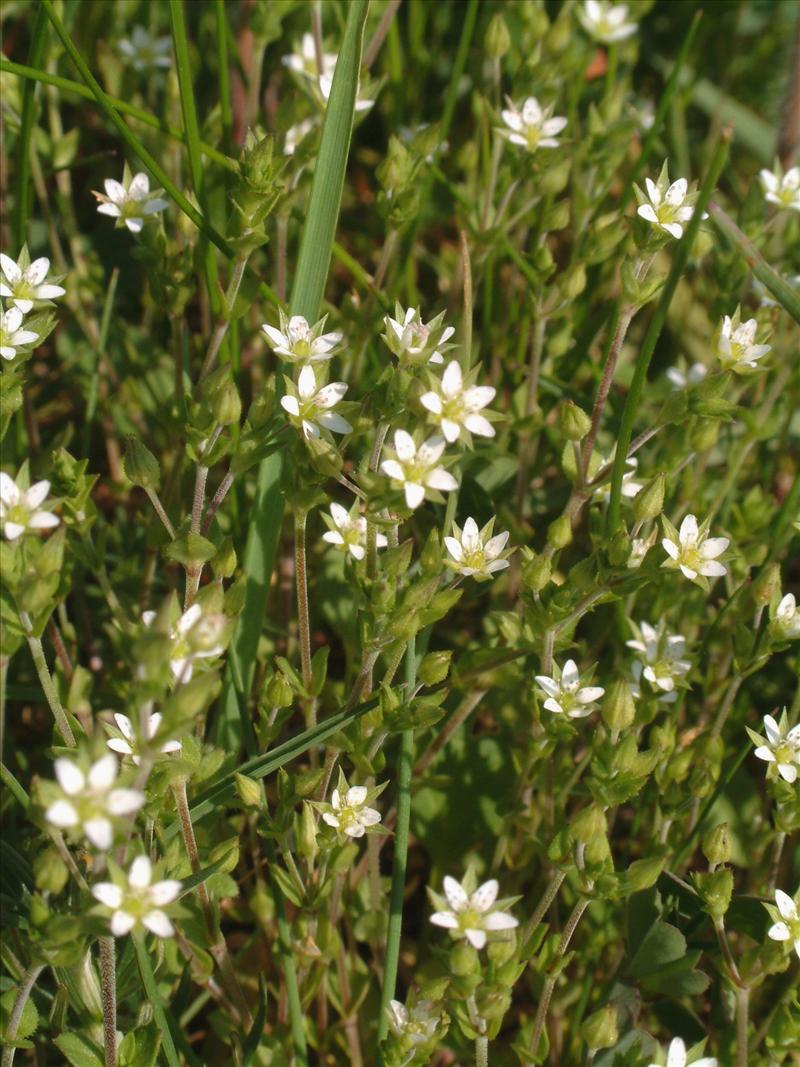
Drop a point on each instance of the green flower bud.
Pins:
(600, 1029)
(536, 573)
(430, 559)
(307, 837)
(573, 422)
(574, 281)
(642, 874)
(588, 823)
(704, 435)
(498, 39)
(190, 550)
(140, 465)
(618, 709)
(559, 532)
(767, 585)
(598, 850)
(397, 169)
(434, 667)
(278, 692)
(249, 791)
(543, 260)
(717, 845)
(559, 35)
(626, 755)
(464, 959)
(649, 501)
(716, 889)
(224, 562)
(619, 550)
(257, 166)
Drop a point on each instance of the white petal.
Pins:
(330, 395)
(646, 212)
(158, 923)
(100, 832)
(10, 269)
(334, 422)
(37, 271)
(109, 209)
(549, 685)
(103, 773)
(455, 893)
(569, 675)
(479, 425)
(788, 772)
(340, 515)
(306, 382)
(414, 494)
(61, 813)
(779, 932)
(70, 777)
(452, 381)
(115, 191)
(430, 451)
(589, 694)
(713, 546)
(477, 938)
(670, 548)
(485, 895)
(500, 920)
(121, 923)
(687, 572)
(446, 919)
(164, 892)
(139, 187)
(432, 402)
(451, 430)
(134, 225)
(676, 1056)
(124, 801)
(713, 569)
(688, 530)
(676, 193)
(404, 446)
(140, 873)
(329, 818)
(392, 469)
(786, 906)
(116, 744)
(37, 494)
(673, 228)
(290, 404)
(441, 479)
(107, 893)
(355, 795)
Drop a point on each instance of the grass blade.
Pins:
(25, 131)
(153, 995)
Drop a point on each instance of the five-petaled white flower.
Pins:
(138, 902)
(146, 52)
(298, 342)
(304, 61)
(309, 405)
(349, 531)
(195, 636)
(362, 103)
(472, 915)
(417, 1025)
(668, 209)
(630, 487)
(133, 204)
(782, 747)
(350, 813)
(785, 623)
(24, 286)
(736, 347)
(781, 189)
(788, 928)
(415, 342)
(20, 508)
(680, 378)
(129, 745)
(606, 22)
(416, 468)
(475, 552)
(455, 408)
(90, 801)
(660, 660)
(693, 550)
(566, 695)
(532, 126)
(12, 336)
(676, 1056)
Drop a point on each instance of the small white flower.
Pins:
(20, 509)
(194, 636)
(130, 205)
(566, 695)
(415, 469)
(311, 406)
(781, 189)
(630, 487)
(362, 103)
(680, 379)
(138, 903)
(417, 1025)
(606, 22)
(455, 407)
(785, 623)
(676, 1056)
(789, 928)
(532, 126)
(668, 208)
(472, 915)
(146, 52)
(128, 744)
(659, 662)
(25, 286)
(297, 342)
(782, 747)
(304, 62)
(693, 550)
(349, 532)
(90, 802)
(295, 134)
(350, 813)
(475, 552)
(736, 348)
(415, 342)
(640, 546)
(12, 336)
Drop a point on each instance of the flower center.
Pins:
(471, 919)
(18, 513)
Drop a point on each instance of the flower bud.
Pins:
(498, 39)
(600, 1029)
(588, 824)
(434, 667)
(190, 550)
(704, 435)
(224, 562)
(140, 465)
(649, 501)
(626, 755)
(559, 532)
(278, 692)
(618, 709)
(307, 837)
(642, 874)
(464, 960)
(574, 281)
(536, 573)
(767, 585)
(573, 422)
(717, 845)
(222, 397)
(716, 890)
(249, 791)
(619, 549)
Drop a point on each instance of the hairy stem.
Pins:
(14, 1019)
(46, 682)
(108, 986)
(550, 983)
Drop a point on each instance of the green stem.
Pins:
(28, 982)
(550, 983)
(25, 131)
(223, 75)
(153, 995)
(303, 618)
(46, 681)
(108, 985)
(289, 968)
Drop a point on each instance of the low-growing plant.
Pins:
(400, 409)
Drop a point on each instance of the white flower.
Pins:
(565, 695)
(417, 1025)
(128, 744)
(413, 341)
(349, 531)
(455, 408)
(298, 342)
(660, 660)
(693, 550)
(736, 346)
(132, 204)
(311, 407)
(630, 487)
(90, 802)
(782, 747)
(138, 902)
(780, 189)
(789, 928)
(786, 621)
(362, 103)
(12, 336)
(295, 134)
(304, 62)
(25, 286)
(676, 1056)
(640, 546)
(194, 636)
(668, 209)
(415, 468)
(20, 508)
(471, 915)
(532, 127)
(475, 552)
(692, 376)
(145, 52)
(350, 813)
(605, 21)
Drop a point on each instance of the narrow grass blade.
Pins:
(94, 385)
(25, 131)
(153, 995)
(654, 331)
(223, 74)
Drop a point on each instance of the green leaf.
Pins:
(79, 1050)
(29, 1020)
